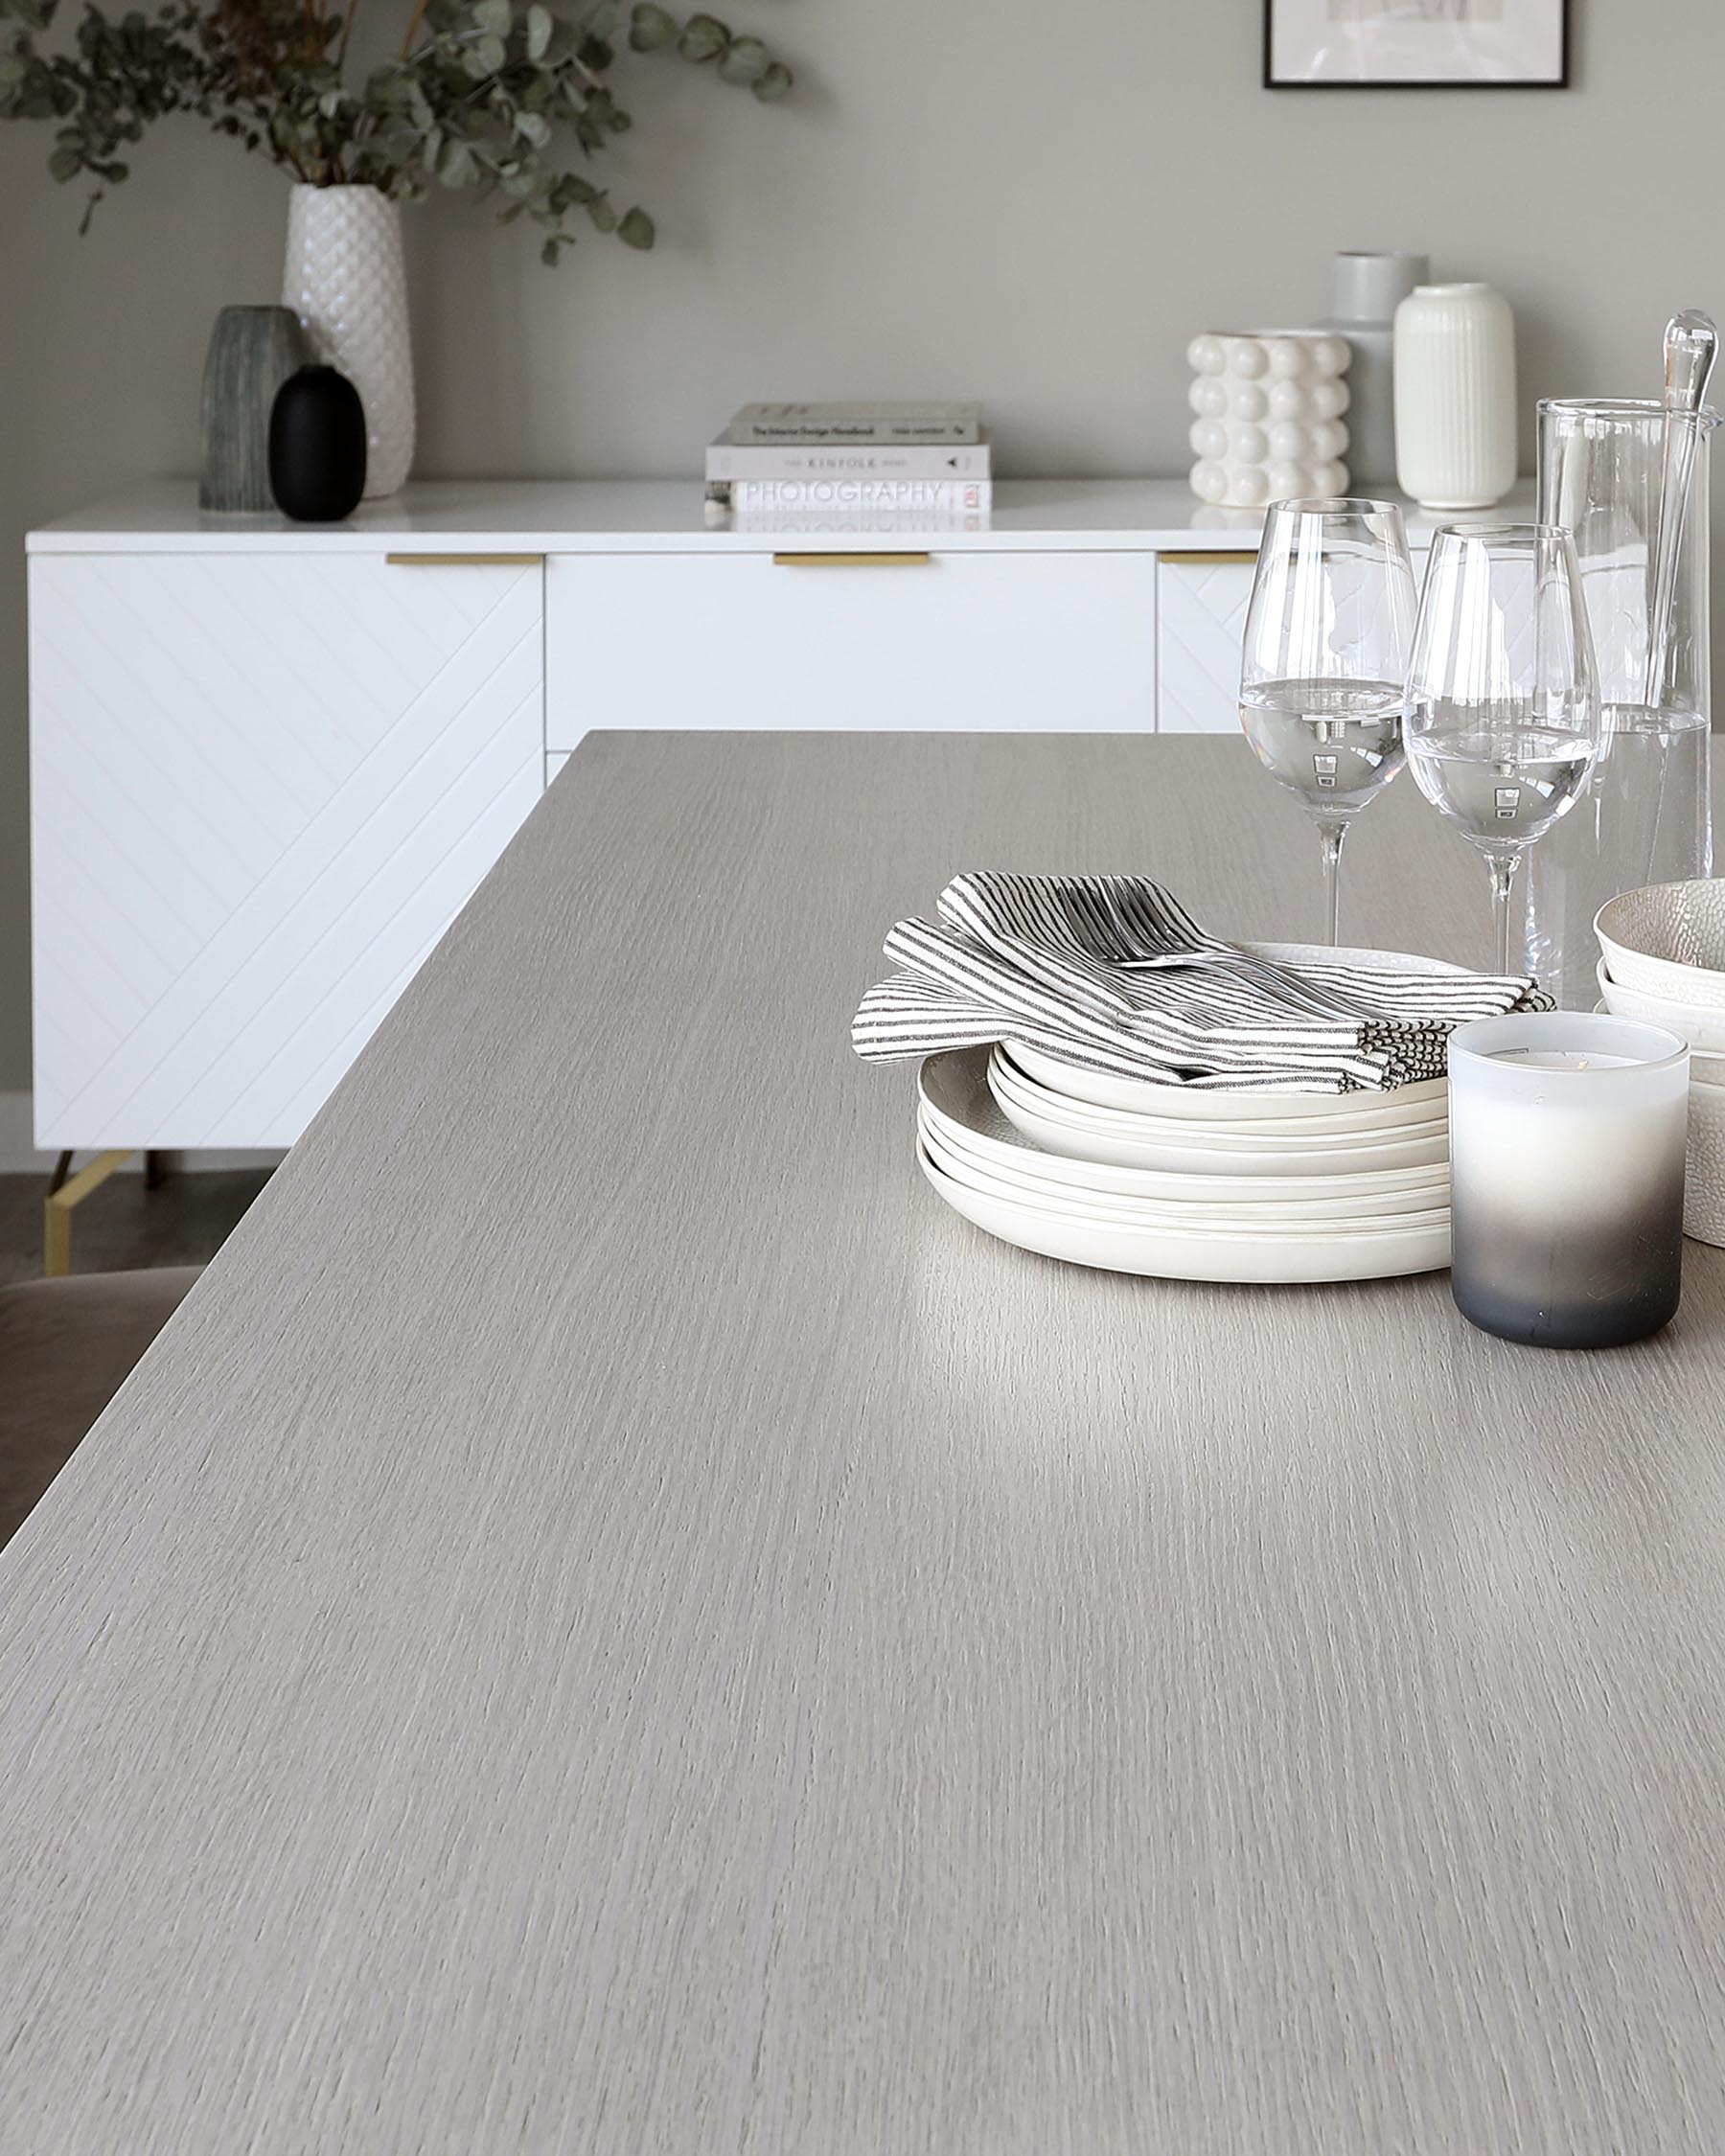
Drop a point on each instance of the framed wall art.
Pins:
(1430, 44)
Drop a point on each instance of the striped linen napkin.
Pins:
(1112, 973)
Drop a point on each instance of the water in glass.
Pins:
(1324, 655)
(1335, 743)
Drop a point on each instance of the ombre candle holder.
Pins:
(1567, 1134)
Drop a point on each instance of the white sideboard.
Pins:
(270, 763)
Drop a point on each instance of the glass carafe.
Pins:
(1646, 817)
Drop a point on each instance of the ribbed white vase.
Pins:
(1455, 395)
(346, 281)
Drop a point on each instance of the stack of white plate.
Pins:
(1311, 1190)
(1664, 963)
(1191, 1185)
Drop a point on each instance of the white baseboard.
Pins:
(19, 1154)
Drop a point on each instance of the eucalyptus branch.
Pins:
(476, 102)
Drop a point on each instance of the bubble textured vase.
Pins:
(346, 281)
(1268, 409)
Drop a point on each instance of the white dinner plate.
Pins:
(954, 1091)
(1286, 1259)
(1005, 1077)
(1281, 1216)
(1143, 1096)
(1336, 1119)
(1126, 1148)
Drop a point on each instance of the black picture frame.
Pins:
(1561, 82)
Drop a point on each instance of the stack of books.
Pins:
(853, 467)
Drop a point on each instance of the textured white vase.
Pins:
(346, 281)
(1455, 395)
(1269, 411)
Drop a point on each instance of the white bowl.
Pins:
(1704, 1176)
(1667, 940)
(1703, 1028)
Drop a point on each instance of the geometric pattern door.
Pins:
(261, 787)
(1200, 620)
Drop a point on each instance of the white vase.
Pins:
(1455, 395)
(346, 281)
(1269, 406)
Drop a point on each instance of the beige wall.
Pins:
(1036, 205)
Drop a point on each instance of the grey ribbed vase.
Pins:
(253, 350)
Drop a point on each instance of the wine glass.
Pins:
(1325, 658)
(1503, 708)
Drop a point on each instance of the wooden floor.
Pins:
(185, 1221)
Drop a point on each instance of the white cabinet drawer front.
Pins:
(1201, 625)
(1200, 619)
(261, 787)
(960, 642)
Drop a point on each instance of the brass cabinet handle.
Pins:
(465, 560)
(1211, 558)
(851, 561)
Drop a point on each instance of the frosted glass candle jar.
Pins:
(1567, 1134)
(1268, 409)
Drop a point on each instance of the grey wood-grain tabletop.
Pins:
(613, 1621)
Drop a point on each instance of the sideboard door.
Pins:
(984, 642)
(263, 784)
(1201, 620)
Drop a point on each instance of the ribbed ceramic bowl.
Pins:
(1704, 1029)
(1667, 940)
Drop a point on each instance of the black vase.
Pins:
(317, 446)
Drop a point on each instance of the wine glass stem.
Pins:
(1502, 867)
(1330, 834)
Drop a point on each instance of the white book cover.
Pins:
(856, 423)
(862, 494)
(828, 460)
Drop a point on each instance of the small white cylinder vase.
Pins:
(1368, 289)
(1268, 424)
(346, 281)
(1455, 395)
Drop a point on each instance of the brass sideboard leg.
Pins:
(62, 1168)
(63, 1194)
(154, 1173)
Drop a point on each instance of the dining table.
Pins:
(612, 1621)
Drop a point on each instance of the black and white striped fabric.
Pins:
(1112, 973)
